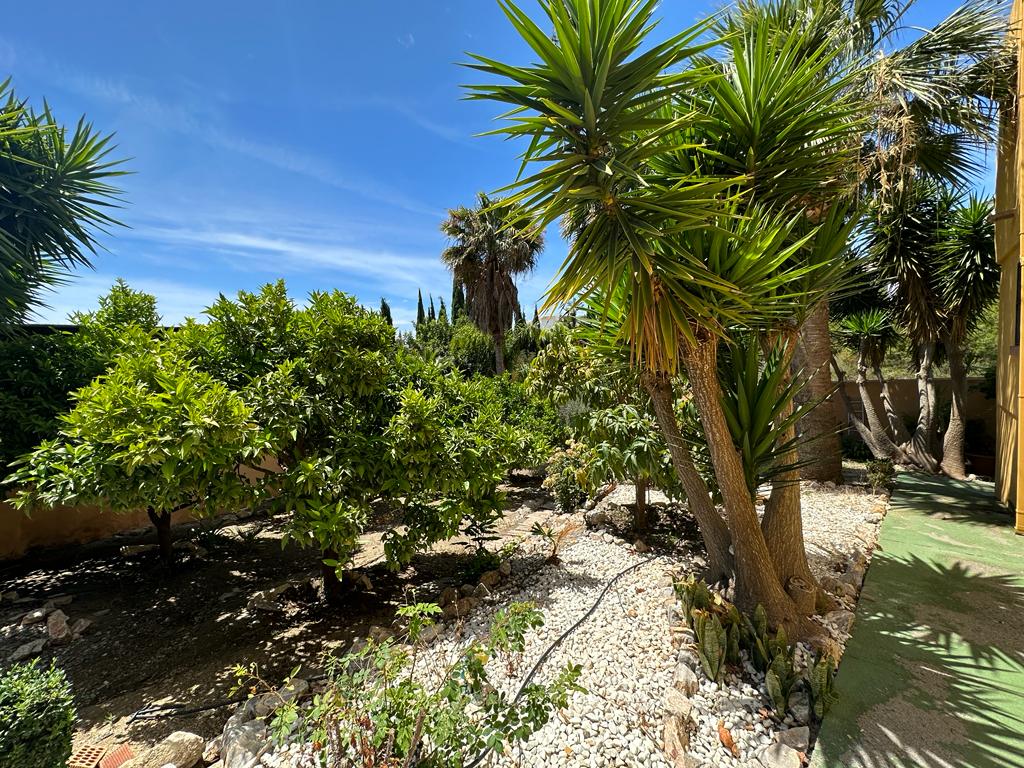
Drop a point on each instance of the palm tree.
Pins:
(490, 245)
(679, 177)
(55, 195)
(932, 106)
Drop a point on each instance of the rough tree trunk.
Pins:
(640, 519)
(896, 426)
(162, 523)
(782, 522)
(874, 434)
(713, 529)
(756, 581)
(953, 442)
(499, 353)
(922, 445)
(819, 425)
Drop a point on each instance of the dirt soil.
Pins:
(166, 636)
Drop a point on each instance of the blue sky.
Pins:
(319, 142)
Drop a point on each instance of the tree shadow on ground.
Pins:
(933, 675)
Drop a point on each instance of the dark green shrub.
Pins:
(567, 476)
(881, 474)
(470, 349)
(37, 717)
(854, 448)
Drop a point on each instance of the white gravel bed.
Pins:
(626, 648)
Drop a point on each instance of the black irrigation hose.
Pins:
(561, 639)
(179, 710)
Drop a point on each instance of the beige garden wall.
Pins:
(64, 525)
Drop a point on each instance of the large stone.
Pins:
(685, 679)
(505, 568)
(57, 627)
(379, 634)
(459, 608)
(36, 616)
(429, 634)
(490, 579)
(676, 738)
(181, 750)
(596, 518)
(840, 620)
(795, 738)
(28, 650)
(678, 704)
(80, 627)
(448, 596)
(780, 756)
(800, 707)
(481, 591)
(241, 745)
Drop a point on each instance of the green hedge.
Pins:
(37, 717)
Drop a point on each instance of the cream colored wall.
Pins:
(64, 525)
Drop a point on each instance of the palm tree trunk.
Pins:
(499, 352)
(896, 426)
(953, 441)
(921, 447)
(756, 581)
(873, 433)
(819, 425)
(713, 529)
(782, 522)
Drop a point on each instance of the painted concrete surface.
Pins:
(933, 676)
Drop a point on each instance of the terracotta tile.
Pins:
(86, 757)
(117, 757)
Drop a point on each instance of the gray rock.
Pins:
(596, 518)
(800, 707)
(181, 749)
(795, 738)
(80, 627)
(780, 756)
(841, 620)
(379, 634)
(57, 627)
(640, 546)
(505, 568)
(459, 608)
(676, 739)
(28, 650)
(296, 688)
(481, 591)
(429, 634)
(466, 590)
(448, 596)
(241, 745)
(685, 679)
(35, 617)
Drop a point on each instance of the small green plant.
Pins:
(556, 539)
(881, 473)
(37, 717)
(379, 708)
(821, 681)
(711, 643)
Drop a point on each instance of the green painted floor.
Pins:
(933, 676)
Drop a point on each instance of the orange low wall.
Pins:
(64, 525)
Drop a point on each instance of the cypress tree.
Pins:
(442, 314)
(385, 310)
(458, 300)
(431, 315)
(420, 314)
(536, 316)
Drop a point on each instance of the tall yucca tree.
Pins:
(56, 194)
(969, 282)
(625, 136)
(490, 245)
(932, 106)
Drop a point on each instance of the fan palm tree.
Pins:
(54, 195)
(695, 231)
(489, 246)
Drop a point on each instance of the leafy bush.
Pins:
(567, 476)
(471, 350)
(37, 717)
(380, 708)
(881, 473)
(39, 371)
